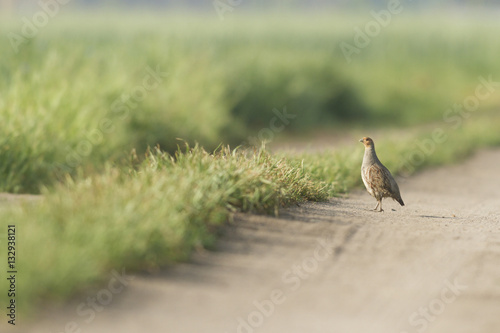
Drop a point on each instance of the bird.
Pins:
(377, 178)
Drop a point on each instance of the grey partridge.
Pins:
(376, 177)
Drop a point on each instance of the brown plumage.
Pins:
(376, 177)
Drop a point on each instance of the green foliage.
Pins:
(146, 218)
(71, 97)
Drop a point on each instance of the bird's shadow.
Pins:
(435, 217)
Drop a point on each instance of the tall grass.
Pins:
(142, 219)
(224, 78)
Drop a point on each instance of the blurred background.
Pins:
(205, 4)
(78, 84)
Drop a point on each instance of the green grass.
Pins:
(60, 108)
(66, 133)
(145, 218)
(404, 153)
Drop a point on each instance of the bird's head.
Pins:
(368, 142)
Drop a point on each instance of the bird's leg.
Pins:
(376, 207)
(380, 210)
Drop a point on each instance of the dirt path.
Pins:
(432, 266)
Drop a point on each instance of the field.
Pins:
(83, 106)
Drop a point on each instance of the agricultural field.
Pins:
(125, 124)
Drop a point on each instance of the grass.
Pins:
(145, 218)
(73, 98)
(403, 153)
(69, 119)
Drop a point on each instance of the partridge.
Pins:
(377, 178)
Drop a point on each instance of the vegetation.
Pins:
(78, 98)
(403, 153)
(74, 97)
(144, 219)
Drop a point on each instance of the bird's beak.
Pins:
(361, 140)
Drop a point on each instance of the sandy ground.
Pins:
(431, 266)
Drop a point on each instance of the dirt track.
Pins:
(432, 266)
